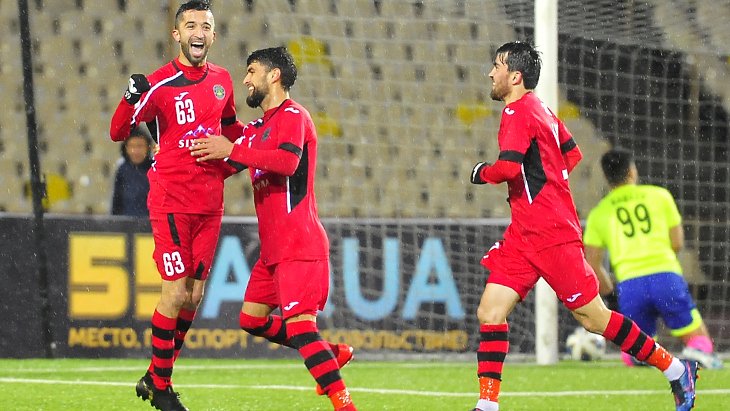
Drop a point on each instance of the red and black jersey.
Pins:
(183, 103)
(280, 150)
(536, 154)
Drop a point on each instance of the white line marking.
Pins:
(368, 390)
(137, 368)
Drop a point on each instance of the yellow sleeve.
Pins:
(670, 210)
(592, 233)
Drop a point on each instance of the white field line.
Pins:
(366, 390)
(63, 369)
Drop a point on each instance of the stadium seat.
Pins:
(456, 31)
(342, 51)
(92, 189)
(45, 25)
(327, 27)
(8, 8)
(587, 182)
(361, 9)
(397, 10)
(373, 29)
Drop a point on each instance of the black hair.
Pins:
(616, 164)
(200, 5)
(136, 132)
(522, 56)
(277, 57)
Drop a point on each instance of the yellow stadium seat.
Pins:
(309, 50)
(469, 113)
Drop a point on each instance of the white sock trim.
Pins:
(675, 370)
(486, 405)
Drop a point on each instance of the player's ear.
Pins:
(275, 75)
(516, 77)
(176, 35)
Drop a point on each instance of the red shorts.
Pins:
(563, 267)
(297, 287)
(184, 244)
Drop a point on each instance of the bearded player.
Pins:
(185, 98)
(543, 239)
(292, 272)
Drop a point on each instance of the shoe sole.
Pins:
(143, 391)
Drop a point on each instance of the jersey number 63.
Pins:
(185, 111)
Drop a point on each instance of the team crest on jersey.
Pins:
(219, 92)
(265, 136)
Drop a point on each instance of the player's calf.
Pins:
(320, 361)
(343, 354)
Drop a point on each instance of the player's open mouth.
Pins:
(198, 47)
(251, 90)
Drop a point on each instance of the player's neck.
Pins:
(185, 62)
(275, 99)
(624, 184)
(516, 94)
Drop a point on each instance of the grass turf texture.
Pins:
(268, 385)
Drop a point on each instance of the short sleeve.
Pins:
(290, 128)
(514, 131)
(670, 210)
(592, 234)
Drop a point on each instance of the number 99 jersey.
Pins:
(632, 223)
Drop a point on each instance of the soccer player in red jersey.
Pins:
(292, 273)
(543, 238)
(183, 99)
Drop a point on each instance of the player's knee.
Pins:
(487, 315)
(251, 324)
(196, 296)
(174, 299)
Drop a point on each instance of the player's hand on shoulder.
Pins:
(477, 171)
(138, 84)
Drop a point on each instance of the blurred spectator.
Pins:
(130, 182)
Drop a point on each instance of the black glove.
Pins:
(138, 84)
(476, 171)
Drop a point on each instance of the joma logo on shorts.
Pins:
(573, 297)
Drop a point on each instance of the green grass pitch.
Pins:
(275, 385)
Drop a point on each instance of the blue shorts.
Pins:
(662, 295)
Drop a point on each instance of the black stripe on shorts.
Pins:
(173, 229)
